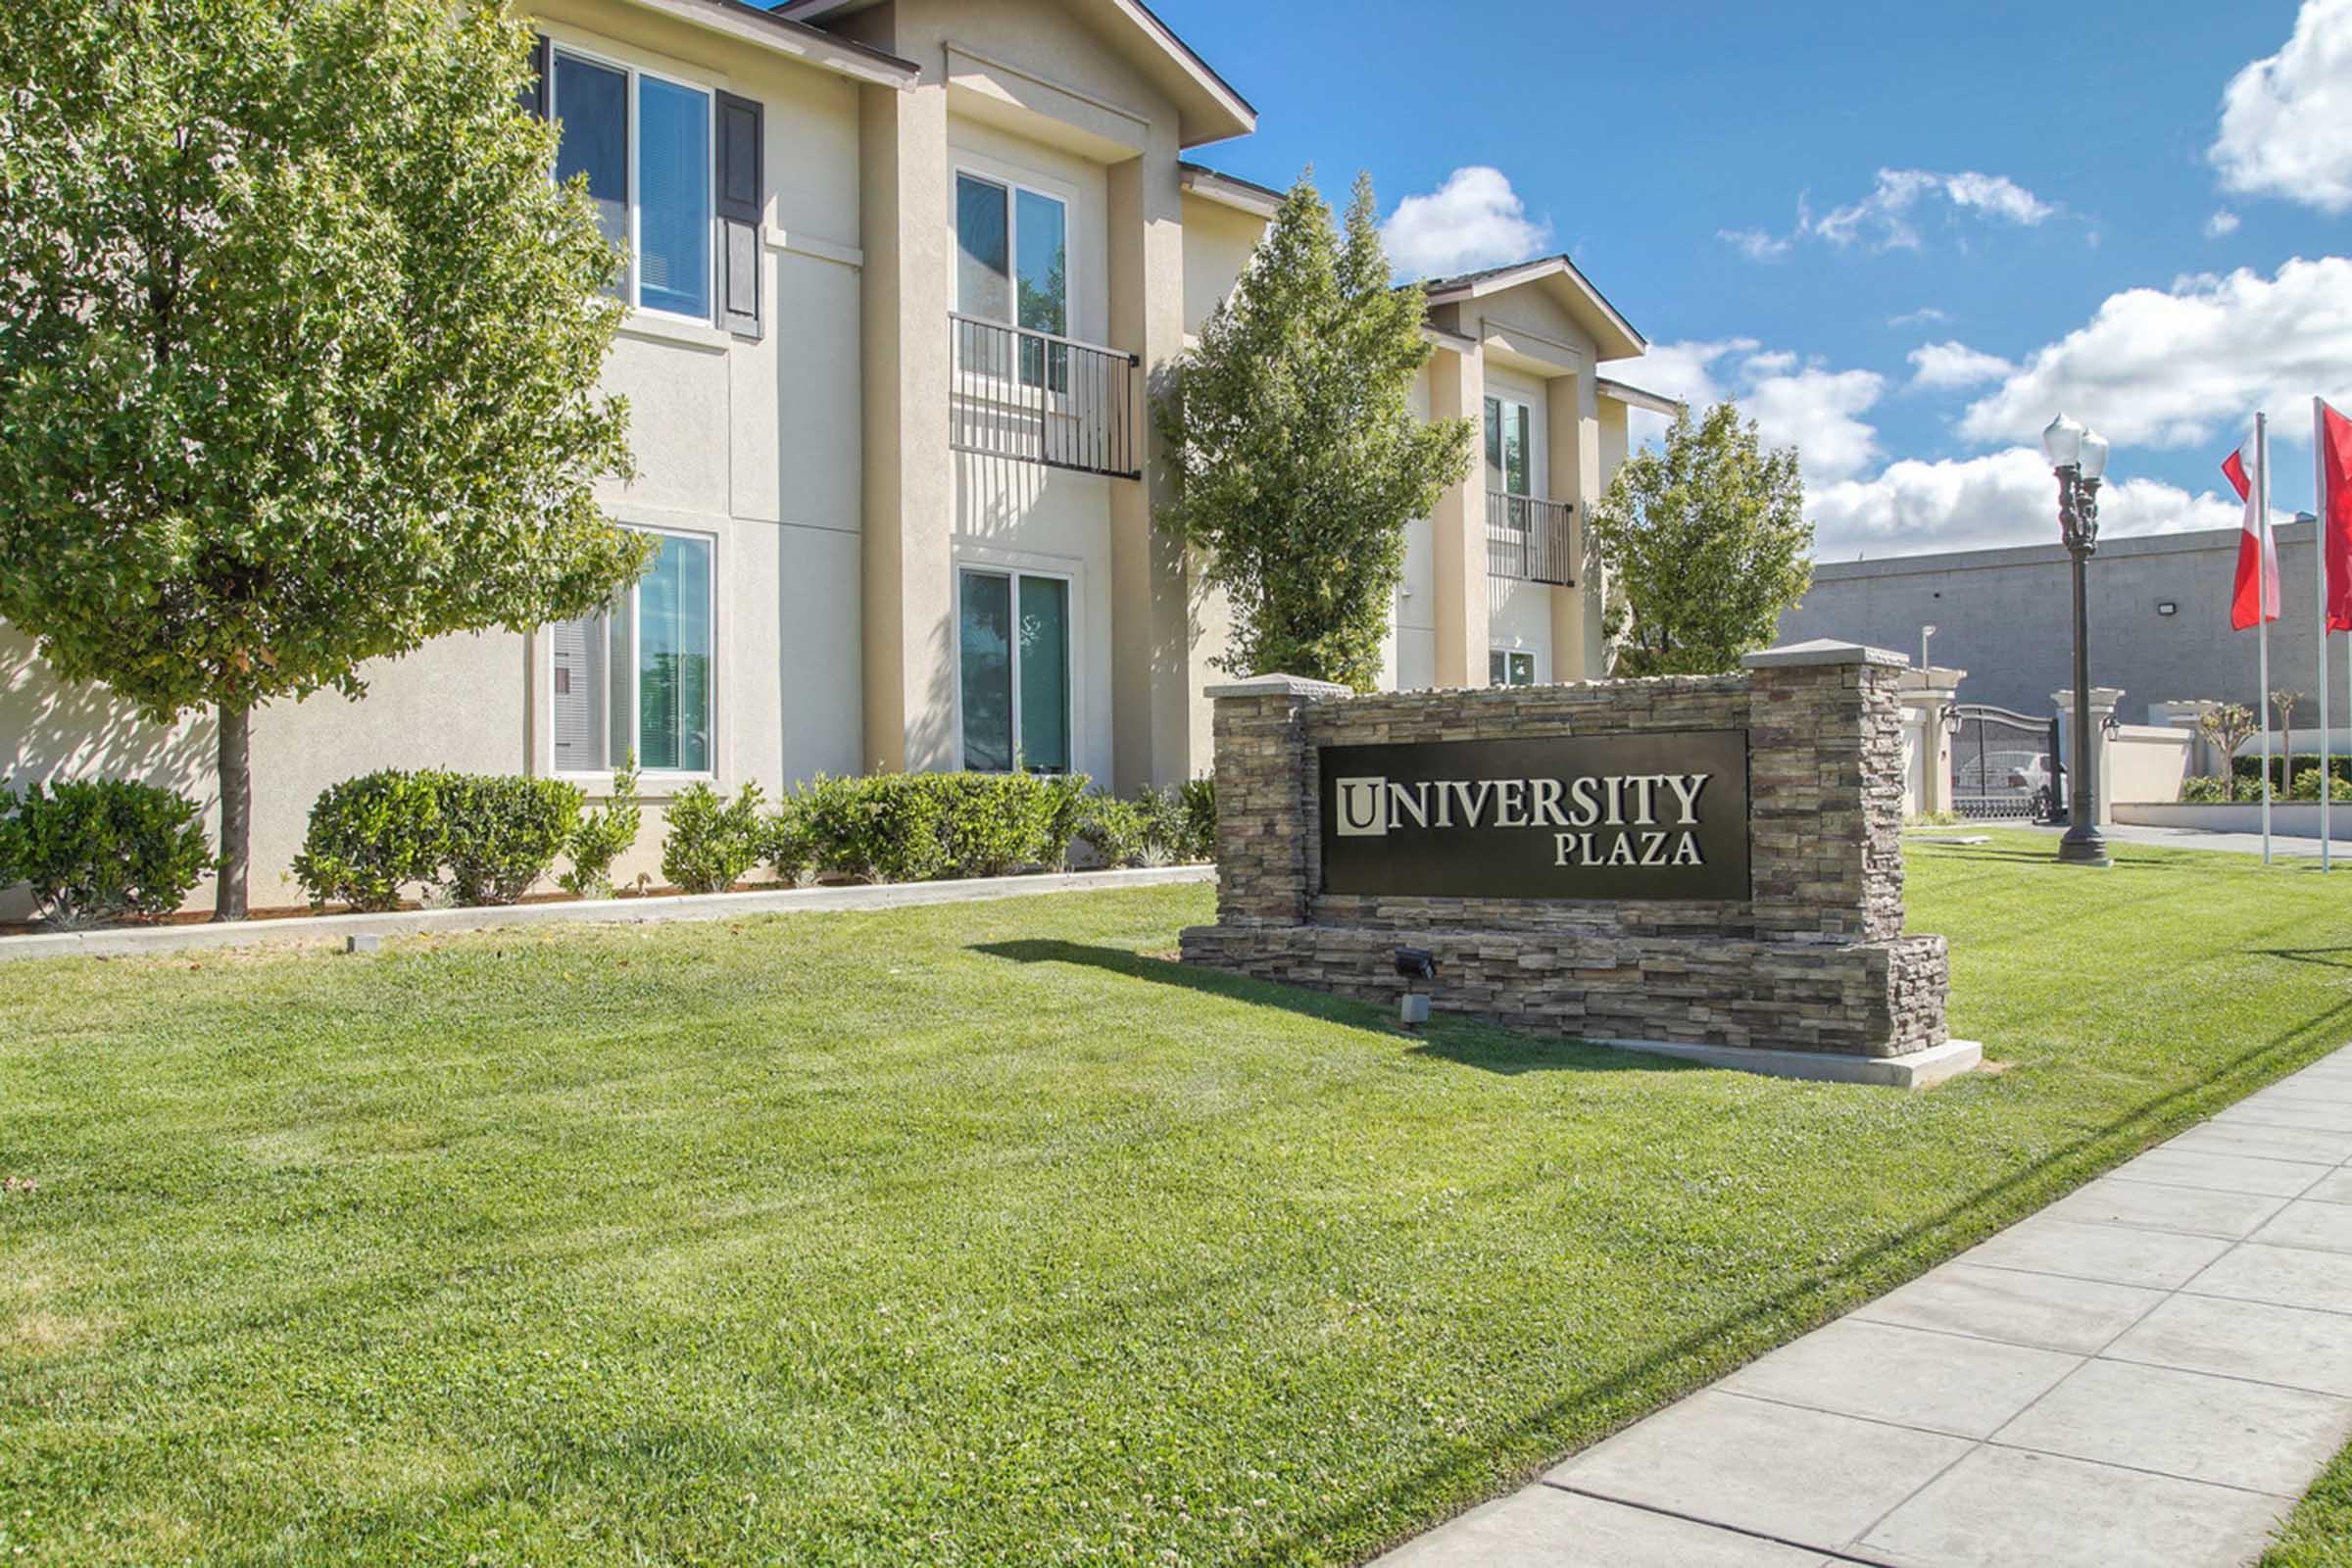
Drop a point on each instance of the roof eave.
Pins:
(792, 38)
(1629, 344)
(1227, 190)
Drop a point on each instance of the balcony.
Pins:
(1530, 539)
(1033, 397)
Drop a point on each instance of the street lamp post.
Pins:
(2078, 458)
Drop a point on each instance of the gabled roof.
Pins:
(1214, 112)
(1611, 331)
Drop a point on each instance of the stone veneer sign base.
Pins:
(1710, 867)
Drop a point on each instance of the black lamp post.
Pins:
(2078, 458)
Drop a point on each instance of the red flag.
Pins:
(2335, 460)
(2257, 558)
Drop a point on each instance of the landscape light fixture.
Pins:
(2079, 457)
(1421, 966)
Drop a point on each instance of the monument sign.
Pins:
(1704, 865)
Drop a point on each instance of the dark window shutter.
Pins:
(739, 191)
(533, 95)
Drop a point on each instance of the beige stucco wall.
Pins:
(736, 440)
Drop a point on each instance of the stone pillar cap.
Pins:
(2100, 697)
(1273, 685)
(1820, 651)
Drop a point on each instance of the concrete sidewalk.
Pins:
(2150, 1372)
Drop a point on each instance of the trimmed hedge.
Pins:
(922, 827)
(488, 837)
(369, 837)
(94, 851)
(714, 841)
(2249, 771)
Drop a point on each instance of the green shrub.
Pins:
(2205, 791)
(502, 832)
(100, 849)
(918, 827)
(2307, 786)
(2249, 771)
(791, 846)
(712, 840)
(369, 837)
(1199, 797)
(1116, 830)
(605, 836)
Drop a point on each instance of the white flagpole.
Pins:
(2262, 614)
(2318, 577)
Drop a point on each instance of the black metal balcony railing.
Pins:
(1033, 397)
(1532, 540)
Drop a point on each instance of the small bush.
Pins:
(1116, 830)
(2249, 771)
(1199, 797)
(791, 844)
(712, 840)
(100, 849)
(369, 837)
(2206, 790)
(605, 836)
(502, 832)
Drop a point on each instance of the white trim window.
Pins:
(644, 144)
(1510, 667)
(1510, 447)
(1012, 264)
(1012, 676)
(639, 678)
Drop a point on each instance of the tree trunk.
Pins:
(235, 771)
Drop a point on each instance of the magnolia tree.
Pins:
(1705, 541)
(298, 352)
(1301, 458)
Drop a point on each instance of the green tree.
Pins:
(1705, 543)
(2226, 727)
(1300, 457)
(298, 352)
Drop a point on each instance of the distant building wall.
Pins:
(2006, 617)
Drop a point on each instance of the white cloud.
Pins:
(1922, 317)
(2003, 497)
(1756, 244)
(1806, 406)
(1887, 218)
(1817, 411)
(1473, 220)
(2220, 223)
(2283, 117)
(1949, 364)
(2178, 366)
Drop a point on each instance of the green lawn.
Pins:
(976, 1234)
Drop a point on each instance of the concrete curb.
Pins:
(134, 941)
(1915, 1070)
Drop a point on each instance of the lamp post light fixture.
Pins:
(2078, 458)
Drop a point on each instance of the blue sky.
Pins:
(2048, 208)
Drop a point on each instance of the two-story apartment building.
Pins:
(902, 273)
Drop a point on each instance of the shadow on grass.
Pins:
(1464, 1470)
(2325, 958)
(1490, 1048)
(2127, 861)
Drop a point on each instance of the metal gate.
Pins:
(2005, 765)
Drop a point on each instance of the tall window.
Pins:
(636, 677)
(1013, 646)
(1509, 447)
(644, 143)
(1012, 266)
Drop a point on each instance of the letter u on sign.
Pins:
(1363, 808)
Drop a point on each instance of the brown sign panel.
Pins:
(1617, 816)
